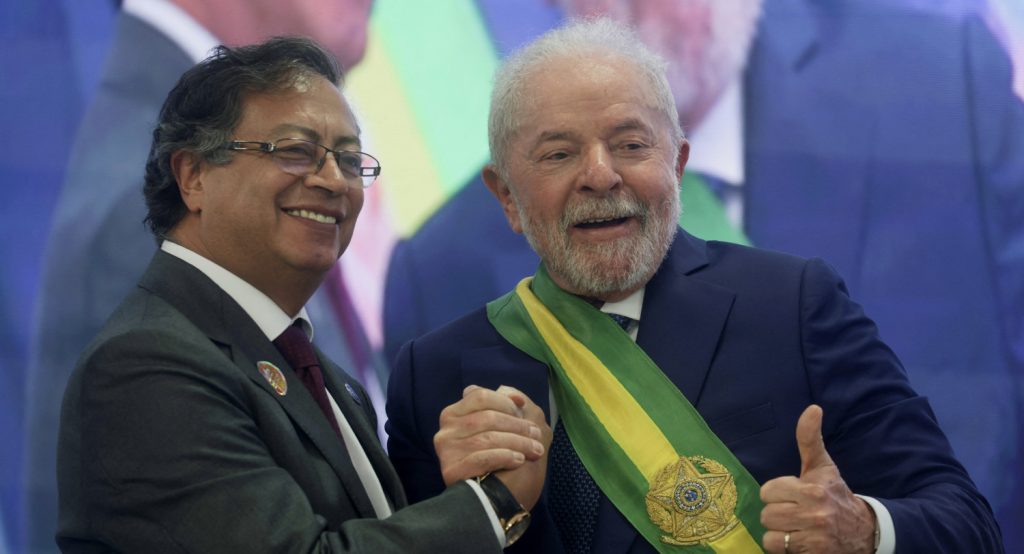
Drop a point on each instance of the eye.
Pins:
(295, 151)
(349, 162)
(555, 156)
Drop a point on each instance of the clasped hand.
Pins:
(495, 431)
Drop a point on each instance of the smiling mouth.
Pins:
(600, 223)
(312, 216)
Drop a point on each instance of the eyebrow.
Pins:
(345, 140)
(552, 136)
(632, 124)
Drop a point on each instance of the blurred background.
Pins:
(886, 136)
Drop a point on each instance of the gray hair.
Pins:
(582, 38)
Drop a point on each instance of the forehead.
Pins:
(313, 108)
(588, 92)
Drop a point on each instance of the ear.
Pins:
(188, 172)
(681, 158)
(499, 188)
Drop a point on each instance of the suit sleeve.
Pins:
(881, 434)
(162, 452)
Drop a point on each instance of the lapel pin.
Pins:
(273, 376)
(352, 392)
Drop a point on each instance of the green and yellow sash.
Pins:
(645, 445)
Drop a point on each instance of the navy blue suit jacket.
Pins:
(885, 139)
(751, 338)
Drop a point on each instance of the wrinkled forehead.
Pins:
(575, 83)
(312, 108)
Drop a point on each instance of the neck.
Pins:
(289, 289)
(594, 298)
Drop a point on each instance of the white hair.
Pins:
(582, 38)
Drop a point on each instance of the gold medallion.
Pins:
(693, 500)
(273, 376)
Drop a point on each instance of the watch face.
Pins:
(516, 527)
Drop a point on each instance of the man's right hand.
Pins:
(500, 431)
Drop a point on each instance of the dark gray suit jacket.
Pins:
(99, 247)
(172, 441)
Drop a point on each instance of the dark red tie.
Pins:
(295, 347)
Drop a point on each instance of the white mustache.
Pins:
(612, 207)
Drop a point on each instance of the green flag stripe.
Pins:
(662, 400)
(604, 459)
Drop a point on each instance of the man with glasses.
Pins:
(201, 419)
(98, 246)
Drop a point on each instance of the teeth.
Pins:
(306, 214)
(593, 221)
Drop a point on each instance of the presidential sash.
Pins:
(645, 445)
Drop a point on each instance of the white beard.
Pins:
(600, 270)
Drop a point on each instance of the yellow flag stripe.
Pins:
(737, 540)
(624, 419)
(617, 410)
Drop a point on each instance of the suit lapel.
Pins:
(304, 411)
(683, 318)
(224, 321)
(365, 433)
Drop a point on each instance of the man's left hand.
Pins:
(817, 510)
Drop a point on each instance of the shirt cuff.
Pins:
(886, 530)
(493, 516)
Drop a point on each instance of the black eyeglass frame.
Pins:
(363, 172)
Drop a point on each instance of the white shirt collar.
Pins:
(716, 146)
(175, 24)
(629, 306)
(269, 317)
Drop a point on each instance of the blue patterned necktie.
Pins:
(573, 496)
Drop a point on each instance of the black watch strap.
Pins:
(511, 514)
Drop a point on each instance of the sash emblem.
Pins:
(693, 500)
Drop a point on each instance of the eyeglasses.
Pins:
(301, 157)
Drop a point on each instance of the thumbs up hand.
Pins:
(815, 512)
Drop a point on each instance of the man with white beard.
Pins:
(831, 131)
(702, 394)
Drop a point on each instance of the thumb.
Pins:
(808, 438)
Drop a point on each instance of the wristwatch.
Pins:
(513, 518)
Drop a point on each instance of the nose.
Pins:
(598, 173)
(329, 177)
